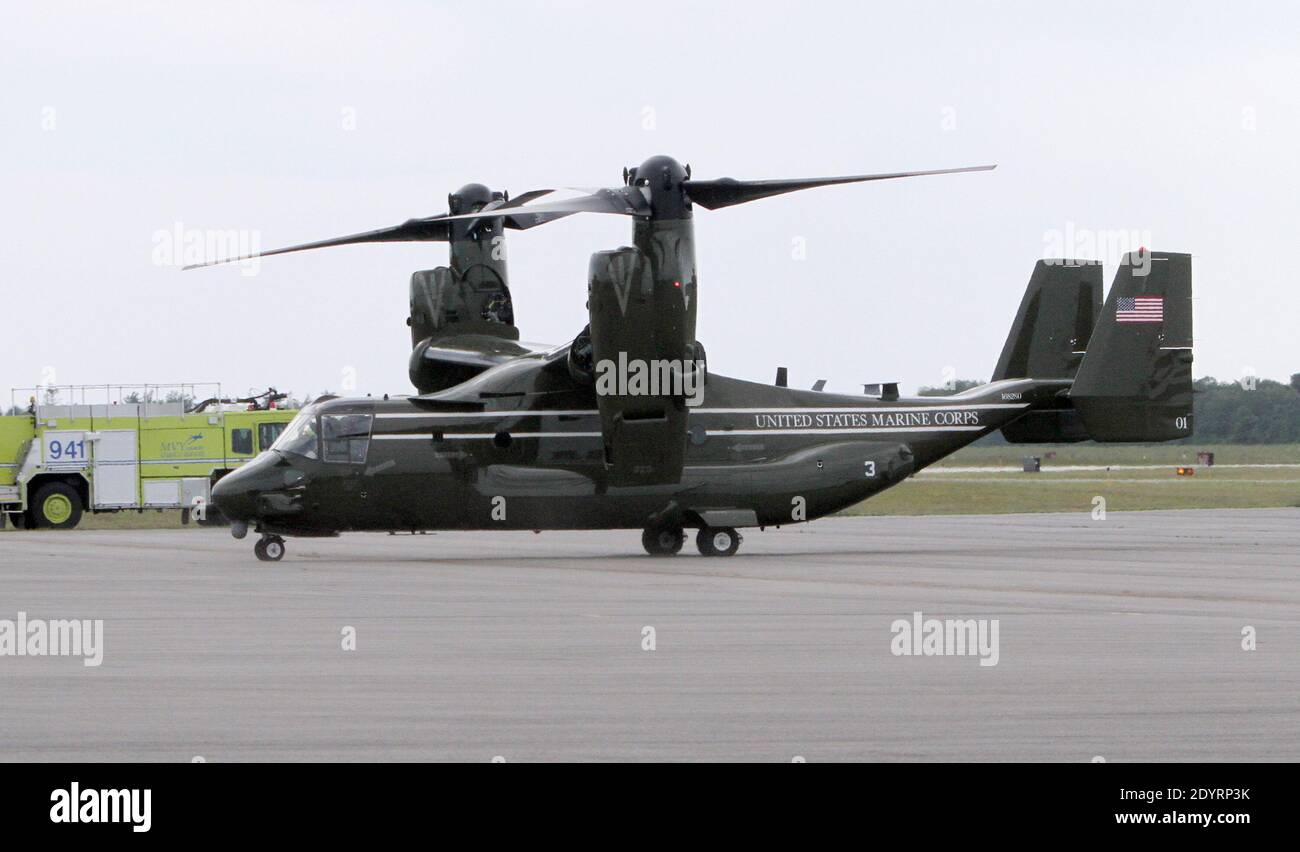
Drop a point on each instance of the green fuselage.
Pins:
(520, 447)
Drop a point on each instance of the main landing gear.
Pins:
(711, 541)
(662, 541)
(269, 548)
(718, 541)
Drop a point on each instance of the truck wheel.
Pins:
(57, 506)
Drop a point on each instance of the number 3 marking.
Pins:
(871, 468)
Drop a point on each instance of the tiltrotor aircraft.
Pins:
(625, 428)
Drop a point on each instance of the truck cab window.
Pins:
(267, 433)
(241, 442)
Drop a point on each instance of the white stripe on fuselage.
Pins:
(487, 436)
(484, 436)
(456, 415)
(460, 415)
(876, 410)
(864, 430)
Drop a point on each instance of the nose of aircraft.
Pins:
(237, 494)
(233, 497)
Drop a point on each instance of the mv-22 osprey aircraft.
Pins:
(504, 435)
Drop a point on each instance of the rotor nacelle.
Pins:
(662, 179)
(472, 197)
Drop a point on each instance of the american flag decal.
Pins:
(1140, 309)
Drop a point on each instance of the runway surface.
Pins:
(1119, 638)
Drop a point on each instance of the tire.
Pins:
(57, 506)
(663, 541)
(718, 541)
(274, 549)
(269, 549)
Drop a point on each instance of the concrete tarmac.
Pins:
(1119, 638)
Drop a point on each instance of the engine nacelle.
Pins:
(643, 360)
(446, 306)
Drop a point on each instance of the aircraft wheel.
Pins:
(269, 548)
(663, 541)
(717, 541)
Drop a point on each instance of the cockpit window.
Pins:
(300, 437)
(345, 437)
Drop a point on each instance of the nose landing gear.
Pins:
(269, 548)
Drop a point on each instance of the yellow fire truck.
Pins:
(58, 461)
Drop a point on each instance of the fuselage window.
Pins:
(345, 437)
(300, 437)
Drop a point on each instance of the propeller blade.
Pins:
(492, 205)
(433, 229)
(624, 201)
(532, 195)
(523, 223)
(724, 192)
(520, 223)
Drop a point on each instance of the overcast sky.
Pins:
(1177, 127)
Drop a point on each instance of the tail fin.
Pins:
(1047, 341)
(1135, 382)
(1056, 317)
